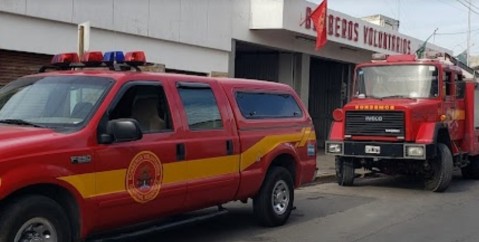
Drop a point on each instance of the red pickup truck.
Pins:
(90, 150)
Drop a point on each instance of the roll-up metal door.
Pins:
(257, 65)
(328, 90)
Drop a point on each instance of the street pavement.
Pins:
(376, 208)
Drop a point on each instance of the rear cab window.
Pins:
(267, 105)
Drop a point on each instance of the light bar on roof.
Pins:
(92, 58)
(113, 56)
(135, 58)
(65, 58)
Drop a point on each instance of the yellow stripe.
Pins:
(113, 181)
(106, 182)
(264, 146)
(203, 168)
(306, 137)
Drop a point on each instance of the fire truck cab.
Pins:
(409, 115)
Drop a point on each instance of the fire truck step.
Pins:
(118, 235)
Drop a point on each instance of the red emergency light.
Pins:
(65, 59)
(92, 58)
(136, 58)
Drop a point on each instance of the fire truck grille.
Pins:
(389, 123)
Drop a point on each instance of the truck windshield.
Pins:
(57, 102)
(409, 81)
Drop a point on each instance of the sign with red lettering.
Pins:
(358, 33)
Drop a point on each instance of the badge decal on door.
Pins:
(144, 177)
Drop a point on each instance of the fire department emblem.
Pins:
(144, 177)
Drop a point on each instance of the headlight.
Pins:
(335, 148)
(415, 151)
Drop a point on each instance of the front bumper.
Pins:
(381, 150)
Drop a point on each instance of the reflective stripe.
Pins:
(107, 182)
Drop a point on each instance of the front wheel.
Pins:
(439, 174)
(274, 202)
(34, 218)
(345, 171)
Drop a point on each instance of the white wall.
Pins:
(206, 24)
(51, 37)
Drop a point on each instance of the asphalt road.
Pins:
(375, 209)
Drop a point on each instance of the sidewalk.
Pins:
(325, 164)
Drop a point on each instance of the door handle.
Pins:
(180, 151)
(229, 147)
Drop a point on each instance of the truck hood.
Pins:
(22, 140)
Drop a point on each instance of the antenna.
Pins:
(468, 33)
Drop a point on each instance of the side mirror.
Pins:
(121, 130)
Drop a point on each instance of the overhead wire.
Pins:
(471, 4)
(457, 33)
(467, 6)
(450, 4)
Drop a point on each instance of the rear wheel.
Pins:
(344, 171)
(34, 218)
(439, 175)
(274, 202)
(471, 171)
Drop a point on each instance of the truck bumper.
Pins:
(381, 150)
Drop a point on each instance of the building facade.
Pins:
(260, 39)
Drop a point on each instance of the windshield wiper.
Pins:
(19, 122)
(397, 96)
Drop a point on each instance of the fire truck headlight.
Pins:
(334, 148)
(415, 151)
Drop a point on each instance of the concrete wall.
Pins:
(205, 24)
(181, 34)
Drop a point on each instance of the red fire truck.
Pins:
(94, 145)
(409, 115)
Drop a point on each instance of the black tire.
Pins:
(471, 171)
(345, 171)
(34, 210)
(268, 211)
(441, 169)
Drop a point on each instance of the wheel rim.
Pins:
(36, 229)
(280, 197)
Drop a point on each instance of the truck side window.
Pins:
(447, 83)
(460, 85)
(201, 107)
(148, 105)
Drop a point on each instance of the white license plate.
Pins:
(372, 149)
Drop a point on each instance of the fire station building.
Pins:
(260, 39)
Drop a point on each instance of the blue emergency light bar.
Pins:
(114, 56)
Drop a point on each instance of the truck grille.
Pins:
(389, 123)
